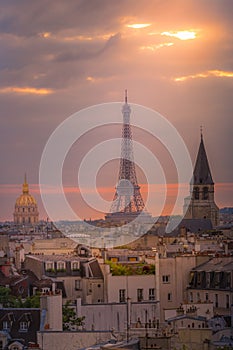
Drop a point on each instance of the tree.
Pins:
(9, 300)
(6, 299)
(70, 319)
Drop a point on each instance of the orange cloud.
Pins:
(26, 90)
(209, 73)
(155, 47)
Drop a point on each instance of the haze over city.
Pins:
(57, 58)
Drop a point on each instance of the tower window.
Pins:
(196, 193)
(205, 193)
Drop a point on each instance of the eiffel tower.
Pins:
(127, 202)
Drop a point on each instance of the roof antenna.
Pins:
(126, 97)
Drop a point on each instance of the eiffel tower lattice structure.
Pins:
(127, 202)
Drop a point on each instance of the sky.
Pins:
(58, 57)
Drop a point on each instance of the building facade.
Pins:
(76, 277)
(213, 282)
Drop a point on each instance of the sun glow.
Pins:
(45, 35)
(182, 35)
(138, 25)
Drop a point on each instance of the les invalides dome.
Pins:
(26, 211)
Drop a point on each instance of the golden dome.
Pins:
(25, 199)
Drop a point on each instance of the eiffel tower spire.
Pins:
(127, 202)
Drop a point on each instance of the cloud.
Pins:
(80, 54)
(182, 35)
(211, 73)
(25, 90)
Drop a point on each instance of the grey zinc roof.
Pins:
(216, 264)
(196, 225)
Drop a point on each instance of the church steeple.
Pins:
(202, 174)
(200, 204)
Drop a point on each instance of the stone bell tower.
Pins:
(202, 204)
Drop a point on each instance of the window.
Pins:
(216, 300)
(140, 294)
(205, 193)
(207, 297)
(227, 301)
(199, 278)
(169, 296)
(49, 265)
(151, 294)
(5, 325)
(114, 259)
(196, 193)
(75, 265)
(1, 345)
(166, 278)
(122, 295)
(77, 284)
(132, 258)
(207, 279)
(191, 297)
(61, 265)
(23, 326)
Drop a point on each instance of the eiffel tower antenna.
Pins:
(127, 202)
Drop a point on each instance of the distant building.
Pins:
(201, 205)
(26, 211)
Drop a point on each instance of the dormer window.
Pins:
(61, 266)
(23, 326)
(49, 265)
(5, 325)
(75, 265)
